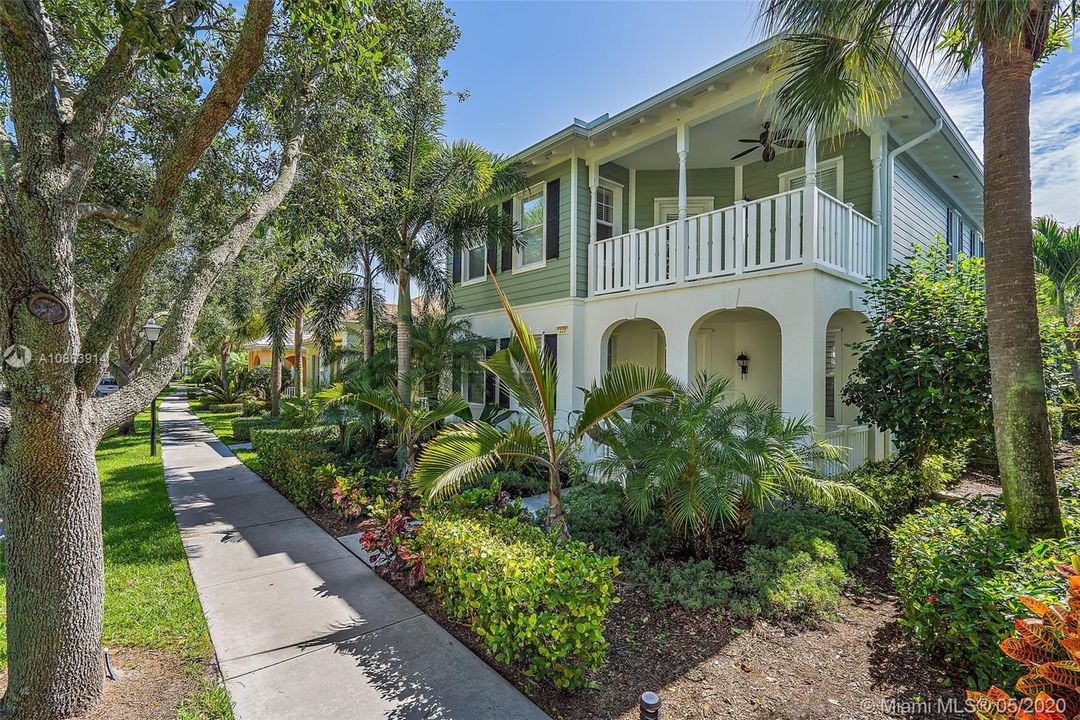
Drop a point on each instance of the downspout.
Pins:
(891, 170)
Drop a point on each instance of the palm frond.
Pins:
(620, 387)
(462, 453)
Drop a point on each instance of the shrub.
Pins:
(786, 584)
(799, 530)
(289, 459)
(1048, 647)
(515, 483)
(253, 406)
(958, 570)
(897, 488)
(692, 585)
(595, 514)
(1056, 416)
(531, 597)
(225, 407)
(242, 426)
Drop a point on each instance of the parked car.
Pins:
(106, 385)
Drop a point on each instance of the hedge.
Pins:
(289, 459)
(225, 407)
(242, 426)
(958, 571)
(531, 597)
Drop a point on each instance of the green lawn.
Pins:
(150, 599)
(220, 423)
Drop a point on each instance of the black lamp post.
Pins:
(152, 331)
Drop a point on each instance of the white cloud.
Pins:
(1055, 130)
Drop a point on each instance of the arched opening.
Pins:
(639, 341)
(845, 328)
(742, 345)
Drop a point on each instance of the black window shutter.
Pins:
(551, 208)
(489, 379)
(457, 266)
(492, 257)
(508, 252)
(504, 394)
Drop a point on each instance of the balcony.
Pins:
(747, 237)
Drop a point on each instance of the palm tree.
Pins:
(1057, 257)
(708, 462)
(443, 198)
(841, 63)
(442, 341)
(464, 452)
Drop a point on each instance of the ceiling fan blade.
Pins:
(790, 143)
(755, 140)
(744, 152)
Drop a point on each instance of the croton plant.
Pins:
(1048, 645)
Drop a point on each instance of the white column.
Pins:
(810, 207)
(594, 183)
(682, 148)
(878, 146)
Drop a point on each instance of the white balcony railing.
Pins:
(855, 442)
(743, 238)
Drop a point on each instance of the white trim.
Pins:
(707, 201)
(516, 266)
(786, 177)
(632, 199)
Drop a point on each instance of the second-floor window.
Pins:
(472, 266)
(531, 222)
(830, 177)
(605, 212)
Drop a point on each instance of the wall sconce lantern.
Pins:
(744, 363)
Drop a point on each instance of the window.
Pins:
(666, 209)
(605, 212)
(531, 221)
(472, 264)
(474, 387)
(830, 178)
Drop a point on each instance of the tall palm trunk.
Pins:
(298, 348)
(1021, 427)
(275, 381)
(404, 338)
(369, 312)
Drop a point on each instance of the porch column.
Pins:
(682, 147)
(802, 358)
(878, 146)
(810, 207)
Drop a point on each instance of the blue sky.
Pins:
(531, 67)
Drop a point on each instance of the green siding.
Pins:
(718, 183)
(550, 282)
(761, 179)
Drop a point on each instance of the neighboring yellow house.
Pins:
(314, 370)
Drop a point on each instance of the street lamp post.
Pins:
(152, 331)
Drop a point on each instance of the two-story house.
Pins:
(683, 233)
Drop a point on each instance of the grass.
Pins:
(150, 599)
(219, 423)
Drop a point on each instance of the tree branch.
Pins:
(153, 236)
(119, 219)
(107, 412)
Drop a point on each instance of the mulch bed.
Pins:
(986, 481)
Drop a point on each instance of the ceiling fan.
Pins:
(768, 142)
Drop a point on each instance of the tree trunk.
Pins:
(55, 567)
(298, 348)
(223, 364)
(369, 312)
(404, 338)
(556, 519)
(1021, 427)
(275, 381)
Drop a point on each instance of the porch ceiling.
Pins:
(712, 143)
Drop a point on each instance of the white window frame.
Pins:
(465, 265)
(662, 204)
(616, 207)
(838, 161)
(516, 265)
(835, 373)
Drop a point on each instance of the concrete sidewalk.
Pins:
(302, 627)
